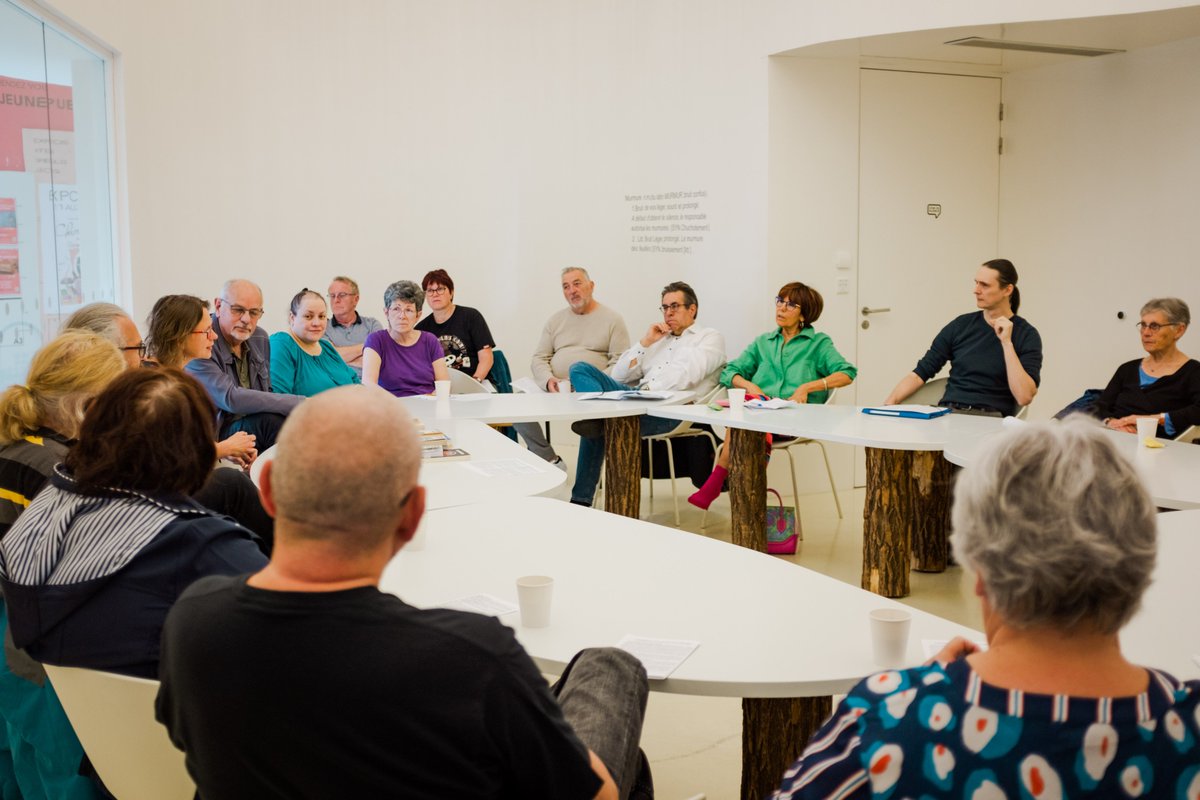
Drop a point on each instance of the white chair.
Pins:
(683, 430)
(787, 446)
(113, 716)
(462, 383)
(1190, 435)
(929, 394)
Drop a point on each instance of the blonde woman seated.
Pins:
(793, 361)
(302, 360)
(1061, 537)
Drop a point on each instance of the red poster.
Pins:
(30, 105)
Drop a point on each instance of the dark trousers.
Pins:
(265, 427)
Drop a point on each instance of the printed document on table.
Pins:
(626, 394)
(487, 604)
(502, 467)
(527, 385)
(660, 657)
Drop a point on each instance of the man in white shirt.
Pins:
(674, 355)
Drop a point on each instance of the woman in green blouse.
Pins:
(793, 362)
(302, 362)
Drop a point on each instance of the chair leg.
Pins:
(799, 528)
(671, 472)
(829, 471)
(650, 458)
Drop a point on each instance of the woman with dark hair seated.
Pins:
(1164, 384)
(180, 329)
(302, 360)
(92, 566)
(793, 362)
(1061, 537)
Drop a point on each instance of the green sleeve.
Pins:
(745, 365)
(829, 360)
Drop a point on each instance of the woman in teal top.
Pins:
(793, 362)
(302, 362)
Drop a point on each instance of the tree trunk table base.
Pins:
(775, 732)
(933, 477)
(748, 489)
(622, 473)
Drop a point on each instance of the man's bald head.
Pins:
(347, 460)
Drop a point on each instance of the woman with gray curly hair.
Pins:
(1061, 536)
(402, 359)
(1164, 384)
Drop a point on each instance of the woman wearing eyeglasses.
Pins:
(793, 362)
(402, 359)
(302, 360)
(462, 330)
(1163, 384)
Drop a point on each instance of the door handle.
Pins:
(868, 311)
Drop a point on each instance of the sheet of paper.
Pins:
(774, 402)
(660, 657)
(527, 385)
(487, 604)
(931, 647)
(502, 467)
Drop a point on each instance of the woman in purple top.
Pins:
(402, 359)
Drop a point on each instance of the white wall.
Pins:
(1098, 205)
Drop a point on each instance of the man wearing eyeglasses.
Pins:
(238, 374)
(348, 329)
(674, 355)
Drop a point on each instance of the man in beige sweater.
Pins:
(584, 331)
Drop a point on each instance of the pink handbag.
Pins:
(781, 528)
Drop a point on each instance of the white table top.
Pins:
(455, 483)
(1171, 474)
(845, 424)
(767, 627)
(1165, 633)
(530, 407)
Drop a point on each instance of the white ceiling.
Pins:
(1119, 32)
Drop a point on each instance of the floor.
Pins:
(694, 743)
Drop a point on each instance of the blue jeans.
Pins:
(586, 378)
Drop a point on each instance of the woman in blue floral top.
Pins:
(1061, 535)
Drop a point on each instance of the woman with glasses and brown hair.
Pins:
(793, 362)
(462, 330)
(1164, 384)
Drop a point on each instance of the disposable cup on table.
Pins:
(1146, 428)
(564, 387)
(442, 389)
(534, 593)
(737, 400)
(889, 636)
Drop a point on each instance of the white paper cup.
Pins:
(442, 389)
(889, 636)
(737, 400)
(533, 595)
(564, 387)
(1146, 428)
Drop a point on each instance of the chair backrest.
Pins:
(113, 716)
(1189, 435)
(462, 383)
(929, 394)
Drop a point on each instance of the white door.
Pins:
(929, 169)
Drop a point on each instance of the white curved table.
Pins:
(1165, 632)
(455, 483)
(767, 628)
(907, 494)
(1171, 474)
(622, 439)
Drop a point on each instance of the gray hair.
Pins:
(350, 495)
(232, 282)
(405, 292)
(1176, 310)
(1058, 526)
(99, 318)
(563, 274)
(353, 284)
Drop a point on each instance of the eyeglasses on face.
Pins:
(672, 307)
(206, 332)
(436, 290)
(140, 347)
(241, 311)
(788, 304)
(1153, 327)
(403, 311)
(342, 295)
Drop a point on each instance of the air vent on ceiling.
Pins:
(1031, 47)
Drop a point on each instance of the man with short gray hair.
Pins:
(329, 687)
(237, 376)
(584, 331)
(348, 329)
(113, 323)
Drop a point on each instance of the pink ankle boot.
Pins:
(711, 490)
